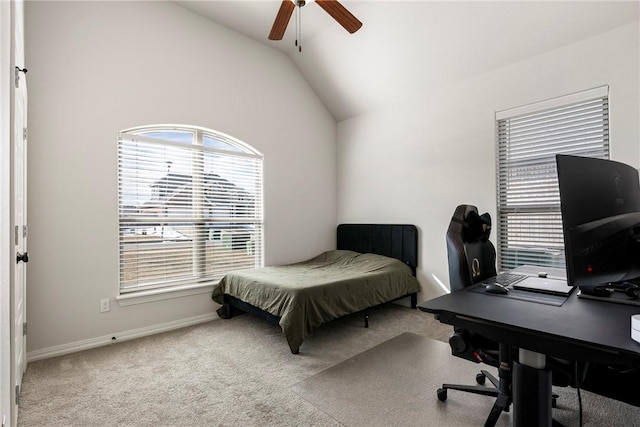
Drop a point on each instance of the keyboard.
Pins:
(505, 279)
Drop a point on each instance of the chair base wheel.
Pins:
(480, 378)
(442, 394)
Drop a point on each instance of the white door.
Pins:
(6, 244)
(19, 220)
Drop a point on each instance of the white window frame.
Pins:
(200, 278)
(528, 202)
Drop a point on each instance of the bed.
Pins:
(373, 264)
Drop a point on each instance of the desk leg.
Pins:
(531, 390)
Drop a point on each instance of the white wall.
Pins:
(416, 159)
(99, 67)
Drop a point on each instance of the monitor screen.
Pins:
(600, 205)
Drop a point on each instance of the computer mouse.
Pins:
(494, 288)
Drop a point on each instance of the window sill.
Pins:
(153, 295)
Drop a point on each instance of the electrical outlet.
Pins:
(105, 305)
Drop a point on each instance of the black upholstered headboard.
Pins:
(393, 240)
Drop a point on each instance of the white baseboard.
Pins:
(60, 350)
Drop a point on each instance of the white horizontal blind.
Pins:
(529, 218)
(190, 207)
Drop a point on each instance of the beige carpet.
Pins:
(240, 372)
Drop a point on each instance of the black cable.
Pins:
(578, 382)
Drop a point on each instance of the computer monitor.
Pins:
(600, 205)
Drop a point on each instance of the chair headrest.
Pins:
(477, 227)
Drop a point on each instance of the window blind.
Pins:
(190, 208)
(529, 218)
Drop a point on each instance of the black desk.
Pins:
(580, 330)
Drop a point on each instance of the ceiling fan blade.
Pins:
(282, 19)
(340, 14)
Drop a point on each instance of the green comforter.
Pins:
(307, 294)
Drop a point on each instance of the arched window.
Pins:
(190, 207)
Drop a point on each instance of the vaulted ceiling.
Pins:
(402, 42)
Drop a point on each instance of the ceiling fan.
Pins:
(332, 7)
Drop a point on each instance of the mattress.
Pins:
(306, 294)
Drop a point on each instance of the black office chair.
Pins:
(472, 259)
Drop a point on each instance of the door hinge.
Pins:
(24, 328)
(16, 234)
(24, 133)
(17, 395)
(17, 75)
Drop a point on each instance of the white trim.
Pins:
(152, 295)
(63, 349)
(560, 101)
(204, 131)
(133, 137)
